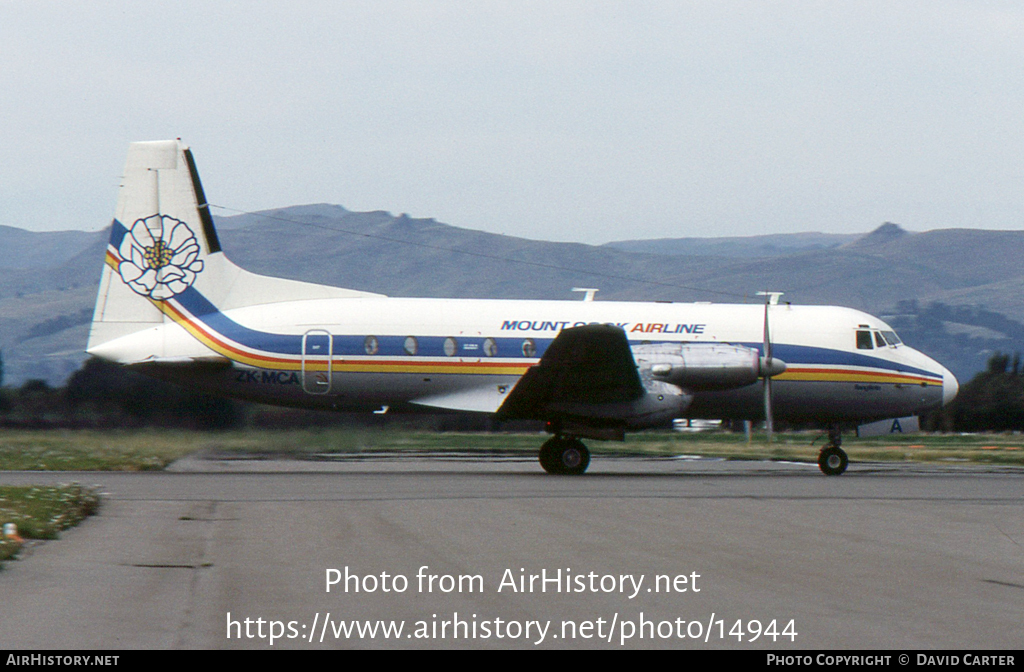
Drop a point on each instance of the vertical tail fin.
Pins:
(164, 262)
(161, 238)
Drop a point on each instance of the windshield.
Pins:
(891, 338)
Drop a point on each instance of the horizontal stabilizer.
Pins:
(212, 362)
(907, 425)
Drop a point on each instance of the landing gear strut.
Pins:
(564, 455)
(833, 460)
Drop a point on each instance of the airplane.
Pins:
(171, 304)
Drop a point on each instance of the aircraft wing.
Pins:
(583, 366)
(483, 399)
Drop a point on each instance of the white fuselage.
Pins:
(464, 354)
(171, 302)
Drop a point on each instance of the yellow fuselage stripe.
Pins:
(213, 341)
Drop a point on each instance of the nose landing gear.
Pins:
(833, 460)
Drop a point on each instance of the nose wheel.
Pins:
(564, 455)
(833, 460)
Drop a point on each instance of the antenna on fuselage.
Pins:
(590, 291)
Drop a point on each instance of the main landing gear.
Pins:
(564, 455)
(833, 460)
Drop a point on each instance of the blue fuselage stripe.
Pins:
(202, 310)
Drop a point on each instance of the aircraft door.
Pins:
(317, 352)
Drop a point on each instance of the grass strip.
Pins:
(42, 511)
(91, 450)
(142, 450)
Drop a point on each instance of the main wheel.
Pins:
(549, 455)
(574, 457)
(563, 455)
(833, 460)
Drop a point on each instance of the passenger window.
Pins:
(864, 340)
(879, 341)
(529, 348)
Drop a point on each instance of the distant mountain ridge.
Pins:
(770, 245)
(32, 249)
(883, 235)
(47, 290)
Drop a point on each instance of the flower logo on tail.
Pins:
(159, 257)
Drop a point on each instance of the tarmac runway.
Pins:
(638, 553)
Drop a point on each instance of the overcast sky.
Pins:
(581, 121)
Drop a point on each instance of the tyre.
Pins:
(564, 456)
(549, 455)
(833, 461)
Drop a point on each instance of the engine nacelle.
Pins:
(704, 366)
(663, 403)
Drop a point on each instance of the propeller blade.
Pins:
(769, 424)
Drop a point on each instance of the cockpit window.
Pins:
(891, 338)
(864, 340)
(879, 341)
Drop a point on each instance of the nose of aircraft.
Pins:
(950, 386)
